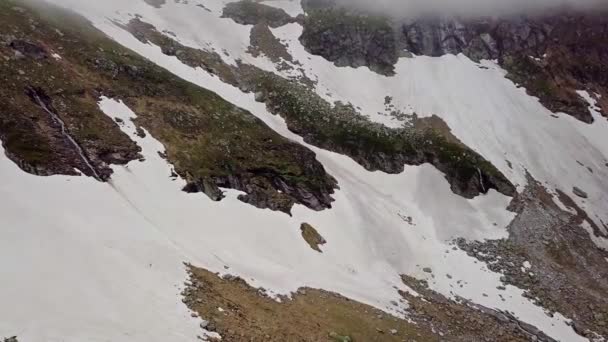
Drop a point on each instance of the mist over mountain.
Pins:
(304, 170)
(471, 7)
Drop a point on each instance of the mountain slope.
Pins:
(187, 104)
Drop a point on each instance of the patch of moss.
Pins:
(312, 237)
(375, 146)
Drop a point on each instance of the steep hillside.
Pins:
(281, 170)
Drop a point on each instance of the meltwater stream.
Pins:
(64, 132)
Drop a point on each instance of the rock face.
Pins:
(551, 56)
(552, 258)
(248, 12)
(341, 129)
(478, 39)
(28, 49)
(349, 39)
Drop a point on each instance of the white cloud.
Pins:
(471, 7)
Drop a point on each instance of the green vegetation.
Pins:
(342, 129)
(209, 140)
(308, 315)
(376, 147)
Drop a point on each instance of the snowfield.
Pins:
(510, 126)
(99, 262)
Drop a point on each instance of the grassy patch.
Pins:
(207, 138)
(310, 315)
(312, 237)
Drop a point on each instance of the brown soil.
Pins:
(239, 312)
(310, 315)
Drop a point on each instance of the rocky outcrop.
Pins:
(340, 128)
(40, 126)
(552, 258)
(248, 12)
(26, 49)
(552, 56)
(349, 39)
(269, 189)
(263, 41)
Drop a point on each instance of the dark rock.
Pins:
(206, 186)
(578, 192)
(247, 12)
(140, 132)
(551, 56)
(28, 49)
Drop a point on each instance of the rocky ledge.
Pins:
(340, 128)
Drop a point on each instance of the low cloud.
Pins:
(471, 7)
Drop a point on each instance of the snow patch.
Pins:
(117, 250)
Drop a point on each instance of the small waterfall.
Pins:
(64, 132)
(483, 188)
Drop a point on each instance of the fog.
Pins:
(472, 7)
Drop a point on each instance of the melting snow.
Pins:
(484, 110)
(92, 261)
